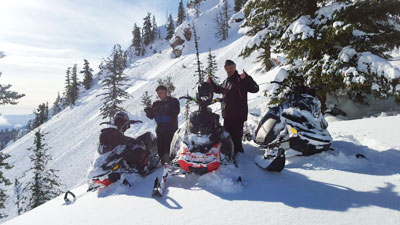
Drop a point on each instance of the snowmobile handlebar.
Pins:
(195, 99)
(127, 122)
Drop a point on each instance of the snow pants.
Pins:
(163, 145)
(235, 129)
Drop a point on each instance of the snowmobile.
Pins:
(119, 154)
(297, 126)
(201, 145)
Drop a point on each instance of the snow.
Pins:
(299, 28)
(370, 63)
(329, 188)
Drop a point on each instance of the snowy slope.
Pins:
(328, 188)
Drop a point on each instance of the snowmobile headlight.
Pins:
(292, 131)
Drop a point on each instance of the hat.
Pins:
(229, 62)
(161, 87)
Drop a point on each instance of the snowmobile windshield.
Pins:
(200, 143)
(203, 122)
(305, 102)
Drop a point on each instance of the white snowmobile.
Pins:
(295, 127)
(201, 145)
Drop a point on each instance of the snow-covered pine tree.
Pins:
(167, 82)
(68, 90)
(187, 109)
(147, 34)
(212, 67)
(57, 104)
(7, 96)
(87, 74)
(222, 21)
(181, 14)
(44, 184)
(239, 5)
(154, 29)
(137, 39)
(3, 181)
(18, 195)
(74, 84)
(196, 7)
(146, 100)
(199, 72)
(170, 28)
(114, 84)
(41, 115)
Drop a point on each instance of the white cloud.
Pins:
(3, 121)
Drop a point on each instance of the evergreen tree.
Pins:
(170, 28)
(3, 181)
(222, 21)
(147, 34)
(196, 6)
(137, 40)
(7, 96)
(239, 5)
(212, 67)
(146, 100)
(114, 83)
(154, 29)
(57, 104)
(167, 82)
(41, 115)
(68, 88)
(74, 85)
(199, 72)
(87, 75)
(18, 195)
(342, 53)
(44, 185)
(181, 14)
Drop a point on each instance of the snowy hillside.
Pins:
(329, 188)
(332, 187)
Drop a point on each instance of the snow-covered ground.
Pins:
(329, 188)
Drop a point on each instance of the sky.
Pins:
(42, 38)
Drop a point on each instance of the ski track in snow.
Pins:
(333, 187)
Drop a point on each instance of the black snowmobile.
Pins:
(297, 124)
(201, 145)
(119, 154)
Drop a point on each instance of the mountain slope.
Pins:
(328, 188)
(331, 187)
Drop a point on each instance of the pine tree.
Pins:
(68, 88)
(18, 195)
(212, 67)
(87, 75)
(3, 180)
(181, 14)
(167, 82)
(137, 40)
(41, 115)
(341, 54)
(146, 100)
(154, 31)
(187, 109)
(239, 4)
(196, 7)
(74, 84)
(57, 104)
(147, 34)
(222, 21)
(170, 28)
(44, 185)
(7, 96)
(114, 83)
(199, 72)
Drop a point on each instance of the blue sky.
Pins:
(41, 38)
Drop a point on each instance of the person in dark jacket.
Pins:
(234, 106)
(165, 112)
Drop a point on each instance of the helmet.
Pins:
(205, 93)
(120, 119)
